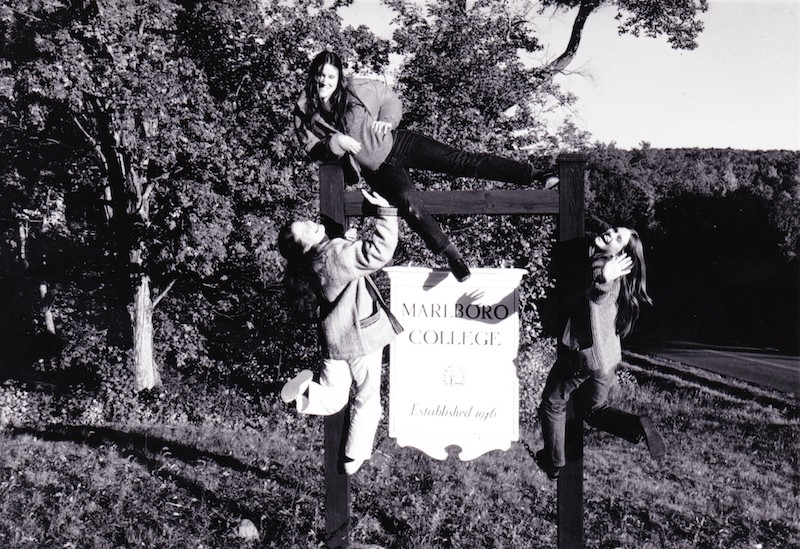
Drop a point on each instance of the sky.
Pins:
(740, 88)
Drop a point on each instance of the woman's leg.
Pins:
(330, 395)
(592, 397)
(590, 404)
(560, 384)
(394, 184)
(413, 150)
(366, 411)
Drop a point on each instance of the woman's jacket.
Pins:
(592, 328)
(314, 133)
(353, 324)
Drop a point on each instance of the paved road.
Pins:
(764, 368)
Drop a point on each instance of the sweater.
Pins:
(375, 148)
(352, 323)
(314, 133)
(591, 330)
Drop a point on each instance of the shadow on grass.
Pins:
(153, 452)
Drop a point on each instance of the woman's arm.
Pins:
(391, 108)
(376, 252)
(390, 111)
(342, 261)
(382, 102)
(316, 147)
(605, 270)
(328, 143)
(616, 267)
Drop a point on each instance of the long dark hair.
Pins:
(299, 281)
(633, 287)
(338, 100)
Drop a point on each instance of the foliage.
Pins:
(111, 86)
(213, 126)
(217, 146)
(676, 20)
(463, 79)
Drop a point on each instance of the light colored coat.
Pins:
(353, 324)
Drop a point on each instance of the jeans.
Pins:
(589, 389)
(413, 150)
(333, 391)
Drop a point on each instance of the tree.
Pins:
(721, 230)
(255, 56)
(452, 47)
(174, 121)
(463, 82)
(677, 20)
(108, 86)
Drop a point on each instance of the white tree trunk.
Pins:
(47, 312)
(23, 243)
(145, 370)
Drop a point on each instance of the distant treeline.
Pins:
(721, 229)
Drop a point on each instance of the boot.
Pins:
(547, 178)
(544, 463)
(457, 264)
(654, 440)
(297, 386)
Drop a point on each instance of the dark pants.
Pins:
(413, 150)
(589, 391)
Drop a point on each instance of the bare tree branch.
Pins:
(560, 63)
(162, 294)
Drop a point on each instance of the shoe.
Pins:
(549, 180)
(457, 265)
(459, 268)
(295, 387)
(544, 463)
(654, 440)
(351, 466)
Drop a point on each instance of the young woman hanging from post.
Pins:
(601, 312)
(330, 277)
(357, 119)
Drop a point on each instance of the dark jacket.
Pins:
(314, 133)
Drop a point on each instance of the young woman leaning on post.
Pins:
(602, 311)
(357, 120)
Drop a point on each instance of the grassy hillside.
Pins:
(181, 469)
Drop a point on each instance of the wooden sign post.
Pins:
(571, 225)
(567, 203)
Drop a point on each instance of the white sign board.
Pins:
(453, 376)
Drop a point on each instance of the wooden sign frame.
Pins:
(567, 204)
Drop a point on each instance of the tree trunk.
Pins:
(47, 312)
(586, 8)
(126, 199)
(145, 370)
(23, 244)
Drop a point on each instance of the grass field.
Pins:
(74, 474)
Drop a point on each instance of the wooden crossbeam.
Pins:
(491, 202)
